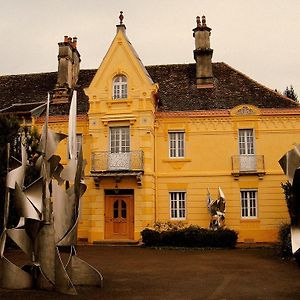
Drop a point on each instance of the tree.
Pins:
(30, 139)
(9, 127)
(290, 93)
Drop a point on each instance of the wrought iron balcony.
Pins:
(104, 161)
(248, 164)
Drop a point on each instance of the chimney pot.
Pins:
(203, 21)
(65, 38)
(75, 42)
(198, 21)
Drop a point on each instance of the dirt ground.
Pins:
(141, 273)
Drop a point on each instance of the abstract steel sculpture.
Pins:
(216, 209)
(49, 217)
(290, 164)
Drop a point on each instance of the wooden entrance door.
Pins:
(119, 217)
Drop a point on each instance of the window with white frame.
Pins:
(246, 142)
(249, 203)
(177, 205)
(176, 144)
(119, 139)
(247, 150)
(120, 87)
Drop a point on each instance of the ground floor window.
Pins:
(177, 205)
(249, 203)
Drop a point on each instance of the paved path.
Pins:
(139, 273)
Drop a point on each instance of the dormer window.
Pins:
(120, 87)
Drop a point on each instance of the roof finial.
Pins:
(121, 17)
(198, 21)
(203, 21)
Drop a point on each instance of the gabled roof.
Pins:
(138, 59)
(25, 88)
(177, 90)
(32, 89)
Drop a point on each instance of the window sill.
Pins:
(119, 101)
(249, 220)
(177, 159)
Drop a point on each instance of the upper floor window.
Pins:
(120, 87)
(119, 139)
(247, 150)
(119, 157)
(176, 144)
(246, 142)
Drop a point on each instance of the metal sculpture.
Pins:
(290, 164)
(216, 209)
(49, 217)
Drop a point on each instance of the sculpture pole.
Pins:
(7, 193)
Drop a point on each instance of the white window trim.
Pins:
(185, 205)
(120, 146)
(169, 144)
(254, 141)
(248, 204)
(119, 84)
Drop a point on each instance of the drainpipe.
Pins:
(155, 174)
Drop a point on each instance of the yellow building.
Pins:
(156, 138)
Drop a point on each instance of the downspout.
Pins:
(155, 174)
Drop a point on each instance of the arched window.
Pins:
(120, 87)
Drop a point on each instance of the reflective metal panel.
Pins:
(12, 277)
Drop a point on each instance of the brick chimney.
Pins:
(203, 54)
(68, 69)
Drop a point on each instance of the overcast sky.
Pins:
(260, 38)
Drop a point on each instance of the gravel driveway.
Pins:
(142, 273)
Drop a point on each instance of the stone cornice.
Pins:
(64, 118)
(225, 113)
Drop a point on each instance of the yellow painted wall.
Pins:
(210, 139)
(210, 143)
(137, 112)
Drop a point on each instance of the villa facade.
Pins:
(156, 138)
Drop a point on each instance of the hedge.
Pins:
(284, 237)
(192, 236)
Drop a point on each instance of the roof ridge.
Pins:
(26, 74)
(170, 65)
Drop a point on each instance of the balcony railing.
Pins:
(104, 161)
(248, 164)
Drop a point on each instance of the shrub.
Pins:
(173, 238)
(284, 237)
(151, 237)
(166, 226)
(192, 236)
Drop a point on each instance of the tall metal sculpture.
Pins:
(49, 217)
(216, 209)
(290, 164)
